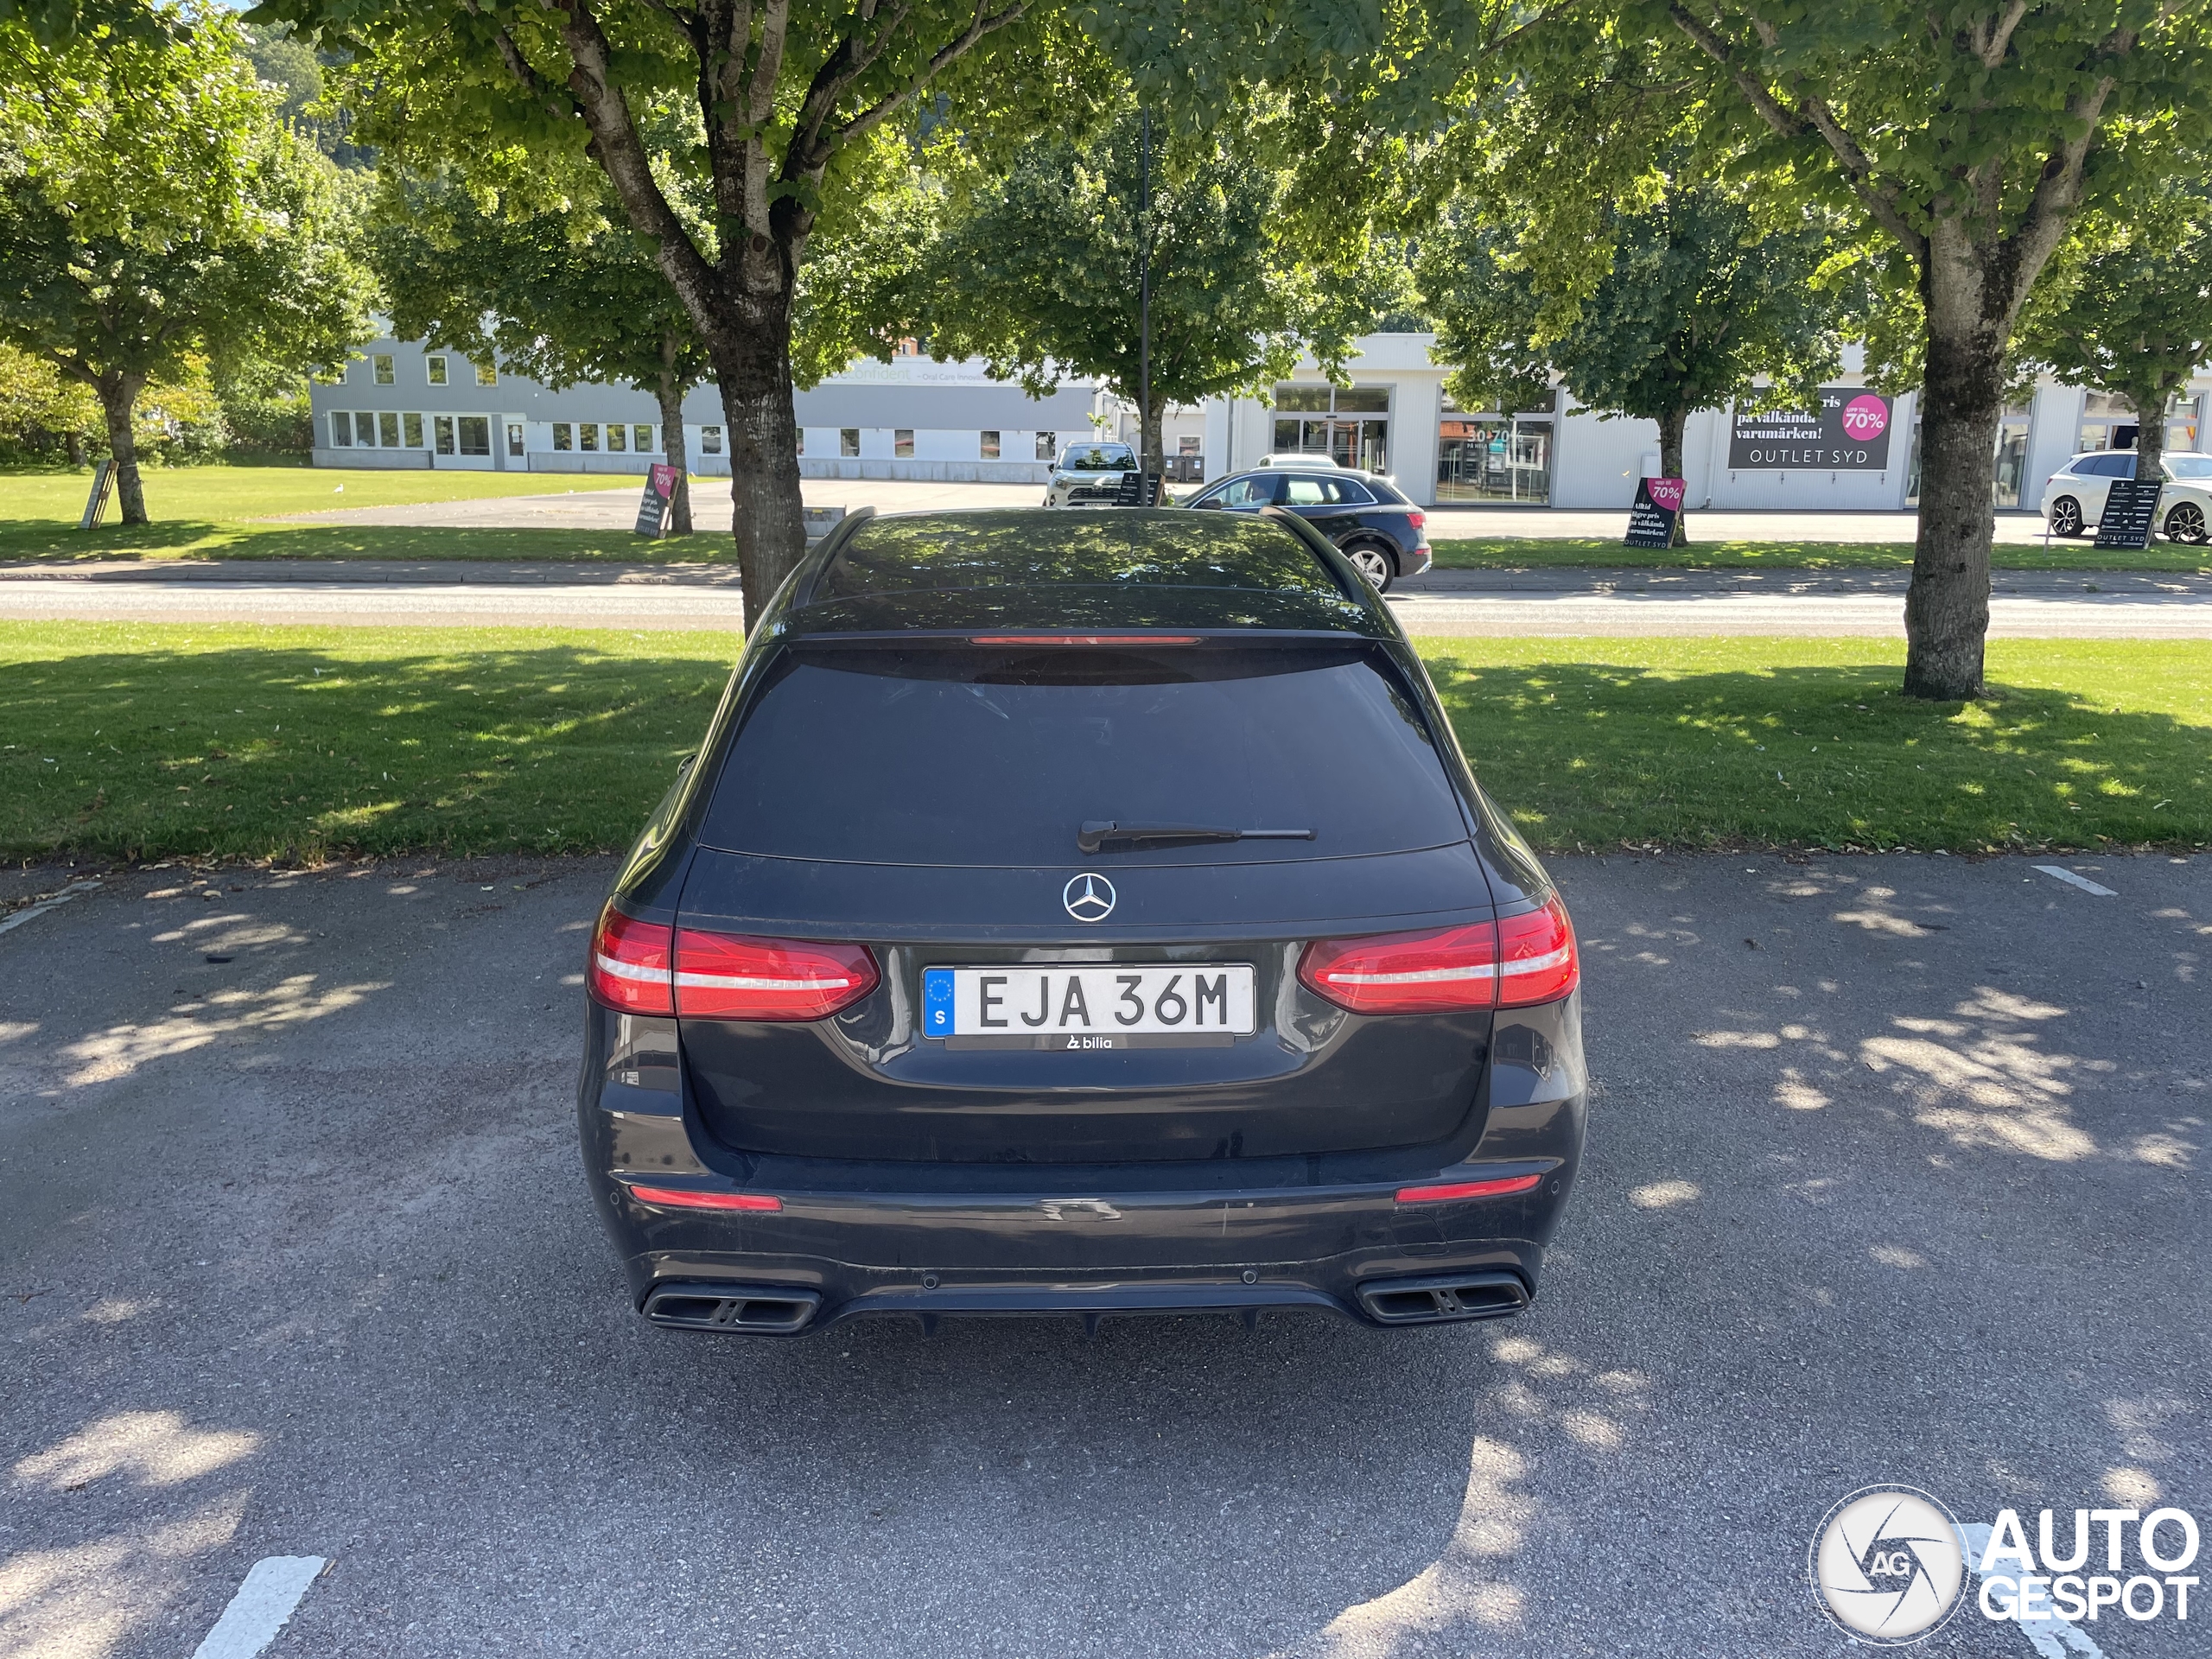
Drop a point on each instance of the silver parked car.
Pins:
(1091, 474)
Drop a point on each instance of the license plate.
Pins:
(1116, 1005)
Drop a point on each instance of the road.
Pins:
(599, 508)
(1463, 603)
(1896, 1173)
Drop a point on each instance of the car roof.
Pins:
(1299, 458)
(1029, 567)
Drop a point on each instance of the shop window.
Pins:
(442, 426)
(710, 440)
(902, 442)
(641, 439)
(514, 437)
(413, 425)
(475, 434)
(388, 430)
(564, 436)
(1048, 445)
(381, 363)
(435, 369)
(848, 440)
(986, 445)
(587, 435)
(618, 437)
(487, 374)
(341, 431)
(1497, 458)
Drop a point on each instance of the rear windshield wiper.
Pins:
(1097, 836)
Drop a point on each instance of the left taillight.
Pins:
(633, 963)
(1523, 960)
(737, 976)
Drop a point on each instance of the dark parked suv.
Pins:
(1372, 521)
(1082, 914)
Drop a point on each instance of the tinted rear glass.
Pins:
(2191, 466)
(1026, 548)
(998, 757)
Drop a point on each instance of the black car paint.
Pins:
(1385, 523)
(1279, 1213)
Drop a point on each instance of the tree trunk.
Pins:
(673, 447)
(1149, 443)
(1947, 607)
(1672, 425)
(752, 364)
(118, 394)
(2149, 406)
(73, 445)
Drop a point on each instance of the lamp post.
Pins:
(1145, 458)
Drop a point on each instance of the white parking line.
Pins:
(2060, 873)
(2052, 1637)
(271, 1590)
(45, 904)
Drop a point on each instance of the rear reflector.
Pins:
(630, 962)
(1086, 639)
(1514, 963)
(1496, 1189)
(732, 977)
(676, 1197)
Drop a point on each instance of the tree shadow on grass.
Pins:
(48, 542)
(305, 750)
(1588, 754)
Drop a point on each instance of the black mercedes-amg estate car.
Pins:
(1079, 914)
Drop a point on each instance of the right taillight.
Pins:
(1536, 958)
(1523, 960)
(633, 963)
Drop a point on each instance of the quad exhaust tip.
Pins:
(752, 1310)
(1453, 1296)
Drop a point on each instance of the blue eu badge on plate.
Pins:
(937, 1002)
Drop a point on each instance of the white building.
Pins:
(398, 405)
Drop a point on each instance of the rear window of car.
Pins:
(999, 757)
(1025, 549)
(2191, 466)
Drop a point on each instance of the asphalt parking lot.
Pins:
(1896, 1174)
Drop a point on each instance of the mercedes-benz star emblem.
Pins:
(1089, 898)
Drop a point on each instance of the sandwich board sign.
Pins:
(653, 506)
(2131, 511)
(96, 502)
(1651, 517)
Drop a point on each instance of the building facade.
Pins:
(400, 405)
(397, 403)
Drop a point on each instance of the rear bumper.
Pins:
(828, 1257)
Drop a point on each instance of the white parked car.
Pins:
(2074, 500)
(1295, 458)
(1089, 475)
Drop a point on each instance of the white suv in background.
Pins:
(2074, 498)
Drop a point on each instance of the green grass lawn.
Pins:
(202, 513)
(153, 739)
(1523, 552)
(1806, 742)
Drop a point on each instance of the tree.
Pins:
(1036, 270)
(152, 211)
(1969, 135)
(1695, 306)
(2137, 319)
(802, 106)
(560, 293)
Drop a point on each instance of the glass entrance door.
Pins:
(1349, 424)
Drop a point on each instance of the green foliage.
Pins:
(40, 413)
(152, 212)
(1694, 305)
(1035, 269)
(2135, 318)
(296, 71)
